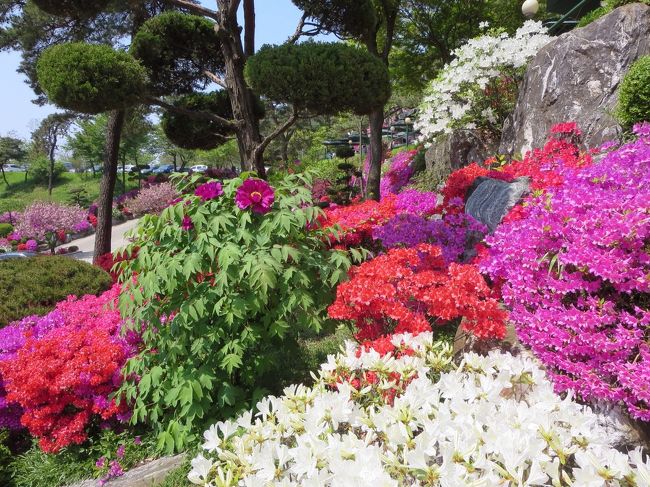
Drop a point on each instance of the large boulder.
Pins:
(576, 78)
(489, 200)
(453, 151)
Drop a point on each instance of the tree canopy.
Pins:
(324, 78)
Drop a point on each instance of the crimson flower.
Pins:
(255, 194)
(209, 191)
(187, 223)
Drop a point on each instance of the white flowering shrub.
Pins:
(491, 421)
(479, 87)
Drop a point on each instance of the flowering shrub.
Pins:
(399, 173)
(477, 89)
(10, 217)
(408, 290)
(217, 291)
(152, 199)
(357, 220)
(62, 368)
(42, 218)
(108, 261)
(417, 202)
(493, 421)
(575, 274)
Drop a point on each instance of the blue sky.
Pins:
(276, 20)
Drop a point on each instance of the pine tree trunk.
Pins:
(241, 97)
(376, 153)
(107, 184)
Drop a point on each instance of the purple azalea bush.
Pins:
(576, 275)
(152, 199)
(451, 233)
(417, 202)
(42, 217)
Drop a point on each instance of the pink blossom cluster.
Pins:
(575, 271)
(42, 217)
(152, 199)
(399, 173)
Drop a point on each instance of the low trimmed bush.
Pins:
(33, 286)
(634, 97)
(5, 229)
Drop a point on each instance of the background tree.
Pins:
(46, 139)
(12, 149)
(371, 23)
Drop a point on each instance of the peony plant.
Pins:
(222, 279)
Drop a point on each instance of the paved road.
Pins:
(87, 244)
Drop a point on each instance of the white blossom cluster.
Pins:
(452, 97)
(491, 421)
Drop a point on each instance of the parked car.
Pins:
(164, 169)
(199, 168)
(13, 168)
(127, 168)
(68, 166)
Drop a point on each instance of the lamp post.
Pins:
(407, 121)
(530, 8)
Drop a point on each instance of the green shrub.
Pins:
(593, 15)
(5, 229)
(90, 78)
(239, 285)
(324, 169)
(634, 94)
(326, 78)
(33, 286)
(39, 170)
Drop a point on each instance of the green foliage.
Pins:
(344, 152)
(324, 78)
(634, 94)
(33, 286)
(72, 8)
(217, 303)
(176, 49)
(344, 17)
(189, 133)
(6, 457)
(593, 15)
(5, 229)
(39, 170)
(327, 169)
(90, 78)
(75, 463)
(79, 197)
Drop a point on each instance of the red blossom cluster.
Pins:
(407, 290)
(108, 260)
(64, 379)
(358, 220)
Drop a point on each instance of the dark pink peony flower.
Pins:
(209, 191)
(187, 223)
(256, 194)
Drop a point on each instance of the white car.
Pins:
(127, 168)
(199, 168)
(12, 168)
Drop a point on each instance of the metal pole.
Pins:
(566, 16)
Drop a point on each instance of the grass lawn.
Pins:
(21, 193)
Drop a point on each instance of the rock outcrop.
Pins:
(576, 78)
(451, 152)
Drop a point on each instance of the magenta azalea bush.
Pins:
(417, 202)
(42, 218)
(576, 275)
(152, 199)
(399, 173)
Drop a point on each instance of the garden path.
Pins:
(87, 244)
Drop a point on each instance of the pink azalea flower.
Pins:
(187, 223)
(255, 194)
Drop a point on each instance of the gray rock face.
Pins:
(493, 198)
(458, 149)
(576, 78)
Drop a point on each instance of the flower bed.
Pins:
(492, 421)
